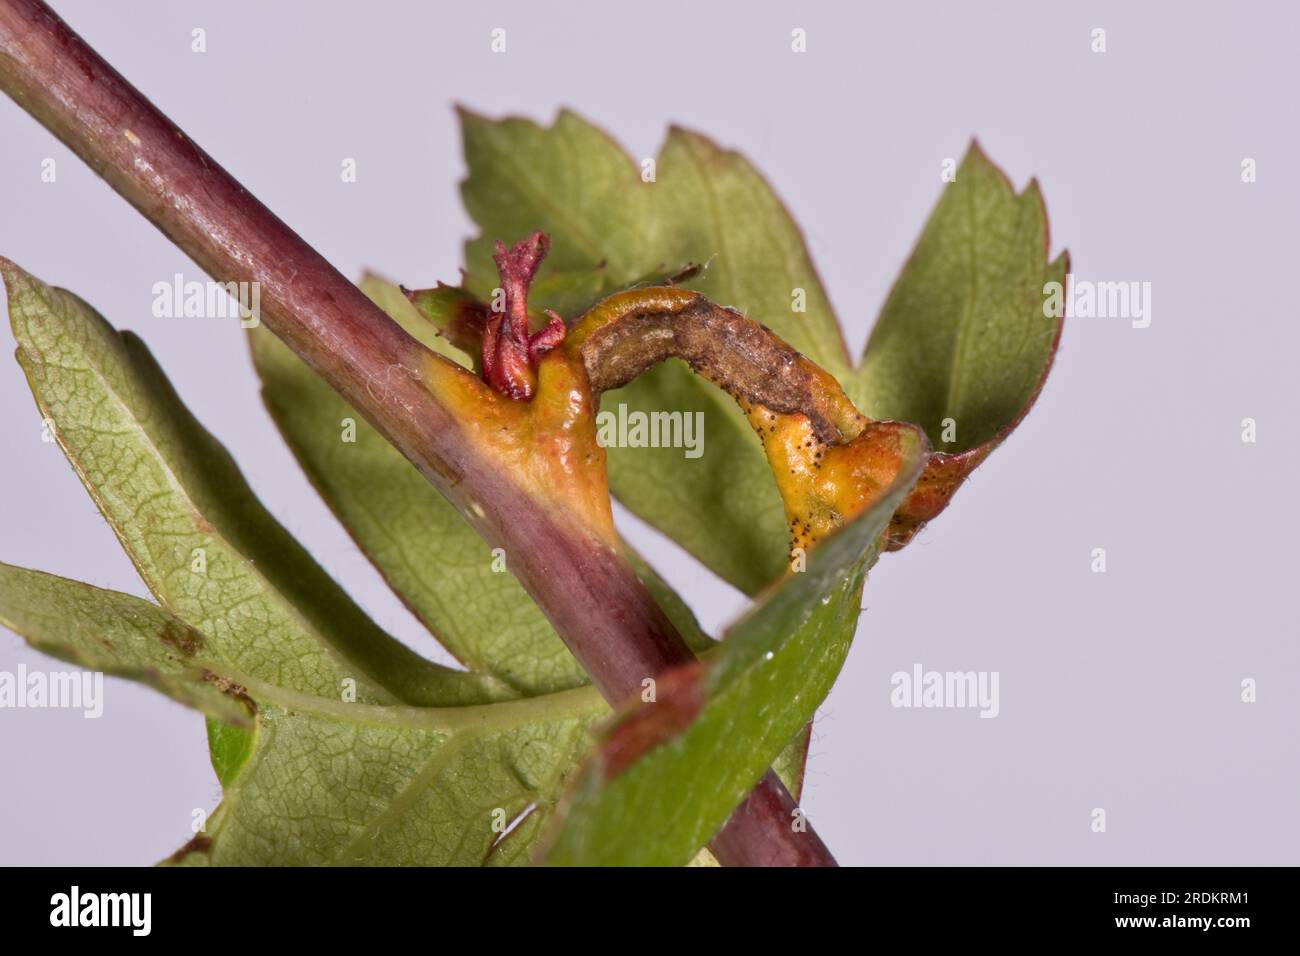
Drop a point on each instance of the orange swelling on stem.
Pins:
(825, 485)
(547, 444)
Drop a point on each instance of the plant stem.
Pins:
(596, 604)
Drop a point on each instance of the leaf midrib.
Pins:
(956, 377)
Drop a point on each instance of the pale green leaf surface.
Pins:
(117, 634)
(772, 671)
(201, 541)
(355, 784)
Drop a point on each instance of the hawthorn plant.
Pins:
(593, 722)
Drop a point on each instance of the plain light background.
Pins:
(1118, 690)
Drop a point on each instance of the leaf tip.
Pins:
(12, 275)
(467, 115)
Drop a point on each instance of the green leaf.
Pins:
(325, 782)
(358, 784)
(117, 634)
(229, 748)
(707, 205)
(443, 329)
(963, 334)
(570, 181)
(723, 506)
(714, 207)
(204, 545)
(428, 553)
(669, 774)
